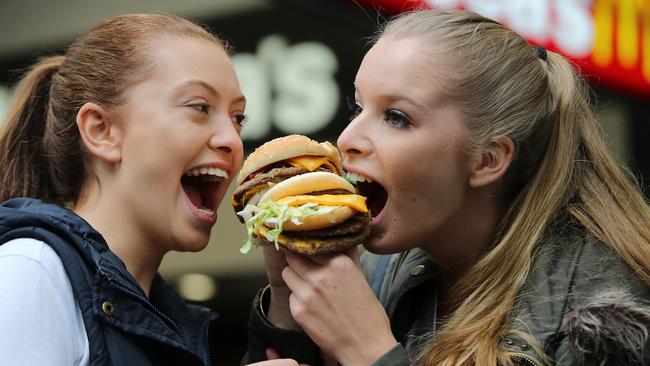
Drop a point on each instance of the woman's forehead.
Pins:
(400, 67)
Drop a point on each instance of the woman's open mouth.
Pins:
(376, 194)
(201, 186)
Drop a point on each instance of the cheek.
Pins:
(238, 159)
(430, 189)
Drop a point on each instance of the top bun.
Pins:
(287, 147)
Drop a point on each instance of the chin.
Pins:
(193, 247)
(376, 244)
(387, 242)
(193, 242)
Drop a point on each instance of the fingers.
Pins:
(278, 362)
(353, 253)
(275, 263)
(328, 360)
(317, 272)
(274, 360)
(323, 259)
(302, 263)
(303, 275)
(320, 258)
(271, 354)
(293, 280)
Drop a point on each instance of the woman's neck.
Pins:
(465, 239)
(123, 240)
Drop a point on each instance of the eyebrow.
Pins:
(202, 83)
(209, 88)
(397, 98)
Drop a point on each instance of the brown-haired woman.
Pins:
(135, 130)
(514, 237)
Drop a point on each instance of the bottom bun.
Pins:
(303, 243)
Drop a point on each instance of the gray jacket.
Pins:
(581, 304)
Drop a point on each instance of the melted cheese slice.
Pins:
(312, 163)
(354, 201)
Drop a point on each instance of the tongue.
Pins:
(194, 195)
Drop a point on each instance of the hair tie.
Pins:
(541, 52)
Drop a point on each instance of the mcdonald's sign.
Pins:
(609, 40)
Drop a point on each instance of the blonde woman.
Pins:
(504, 233)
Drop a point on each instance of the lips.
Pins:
(201, 185)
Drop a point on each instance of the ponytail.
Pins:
(22, 159)
(606, 198)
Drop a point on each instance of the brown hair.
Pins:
(41, 152)
(561, 166)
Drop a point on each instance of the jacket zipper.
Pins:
(525, 360)
(208, 358)
(161, 314)
(150, 306)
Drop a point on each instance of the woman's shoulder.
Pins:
(38, 304)
(28, 259)
(573, 263)
(28, 249)
(572, 268)
(600, 269)
(576, 278)
(33, 262)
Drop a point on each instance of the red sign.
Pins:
(609, 40)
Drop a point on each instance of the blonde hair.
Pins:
(561, 165)
(41, 152)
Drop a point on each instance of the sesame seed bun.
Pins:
(284, 148)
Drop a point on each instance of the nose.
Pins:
(225, 139)
(354, 140)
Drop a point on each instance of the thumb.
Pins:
(271, 354)
(353, 253)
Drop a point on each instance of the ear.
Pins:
(99, 133)
(491, 166)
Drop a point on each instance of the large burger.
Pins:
(291, 193)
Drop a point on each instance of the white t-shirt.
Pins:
(40, 320)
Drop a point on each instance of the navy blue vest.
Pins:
(124, 327)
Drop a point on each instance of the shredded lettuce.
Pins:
(276, 214)
(350, 179)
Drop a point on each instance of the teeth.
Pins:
(206, 210)
(210, 174)
(354, 177)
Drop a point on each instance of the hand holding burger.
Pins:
(291, 194)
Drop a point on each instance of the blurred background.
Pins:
(296, 60)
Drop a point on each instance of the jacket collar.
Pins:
(173, 321)
(408, 270)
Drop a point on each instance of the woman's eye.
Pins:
(397, 119)
(240, 119)
(354, 107)
(201, 107)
